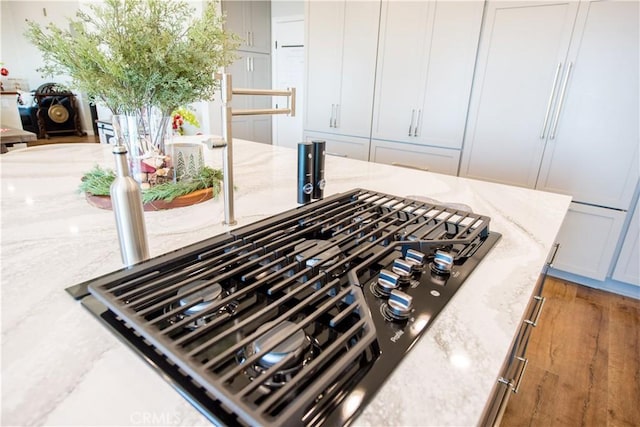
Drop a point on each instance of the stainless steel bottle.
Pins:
(126, 200)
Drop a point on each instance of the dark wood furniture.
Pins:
(57, 111)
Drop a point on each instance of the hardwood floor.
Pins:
(584, 361)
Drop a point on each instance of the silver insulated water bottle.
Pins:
(126, 201)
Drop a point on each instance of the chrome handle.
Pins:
(248, 64)
(551, 96)
(252, 67)
(403, 165)
(524, 364)
(331, 118)
(330, 153)
(413, 115)
(415, 129)
(534, 322)
(336, 119)
(556, 246)
(561, 102)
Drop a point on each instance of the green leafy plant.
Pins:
(98, 181)
(135, 54)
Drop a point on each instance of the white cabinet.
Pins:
(556, 112)
(251, 21)
(342, 146)
(341, 43)
(555, 106)
(426, 58)
(588, 239)
(433, 159)
(627, 267)
(251, 70)
(521, 47)
(592, 150)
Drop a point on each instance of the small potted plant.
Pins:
(143, 59)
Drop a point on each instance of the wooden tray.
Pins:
(104, 202)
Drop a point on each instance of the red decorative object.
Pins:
(4, 71)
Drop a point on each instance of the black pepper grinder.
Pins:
(305, 172)
(318, 169)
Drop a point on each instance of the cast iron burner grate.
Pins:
(275, 323)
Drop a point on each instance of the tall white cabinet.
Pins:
(341, 41)
(426, 57)
(555, 107)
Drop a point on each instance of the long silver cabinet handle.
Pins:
(415, 129)
(336, 119)
(551, 96)
(561, 102)
(534, 322)
(413, 116)
(524, 364)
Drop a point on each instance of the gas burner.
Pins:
(316, 251)
(298, 346)
(209, 296)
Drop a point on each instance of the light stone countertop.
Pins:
(60, 366)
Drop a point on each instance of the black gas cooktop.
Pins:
(297, 319)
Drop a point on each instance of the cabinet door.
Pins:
(425, 69)
(341, 60)
(251, 21)
(449, 73)
(521, 56)
(433, 159)
(588, 239)
(628, 265)
(593, 153)
(324, 63)
(403, 46)
(251, 70)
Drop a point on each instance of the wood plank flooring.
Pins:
(584, 361)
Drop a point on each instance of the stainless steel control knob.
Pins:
(387, 282)
(400, 304)
(442, 262)
(415, 258)
(403, 269)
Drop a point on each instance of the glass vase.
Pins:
(146, 134)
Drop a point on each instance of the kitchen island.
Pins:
(60, 366)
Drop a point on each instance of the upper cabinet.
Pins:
(341, 43)
(251, 21)
(426, 58)
(555, 99)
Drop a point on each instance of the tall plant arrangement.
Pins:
(135, 54)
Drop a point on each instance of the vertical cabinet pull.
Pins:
(413, 116)
(561, 102)
(248, 64)
(540, 303)
(523, 363)
(551, 96)
(415, 129)
(336, 119)
(333, 106)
